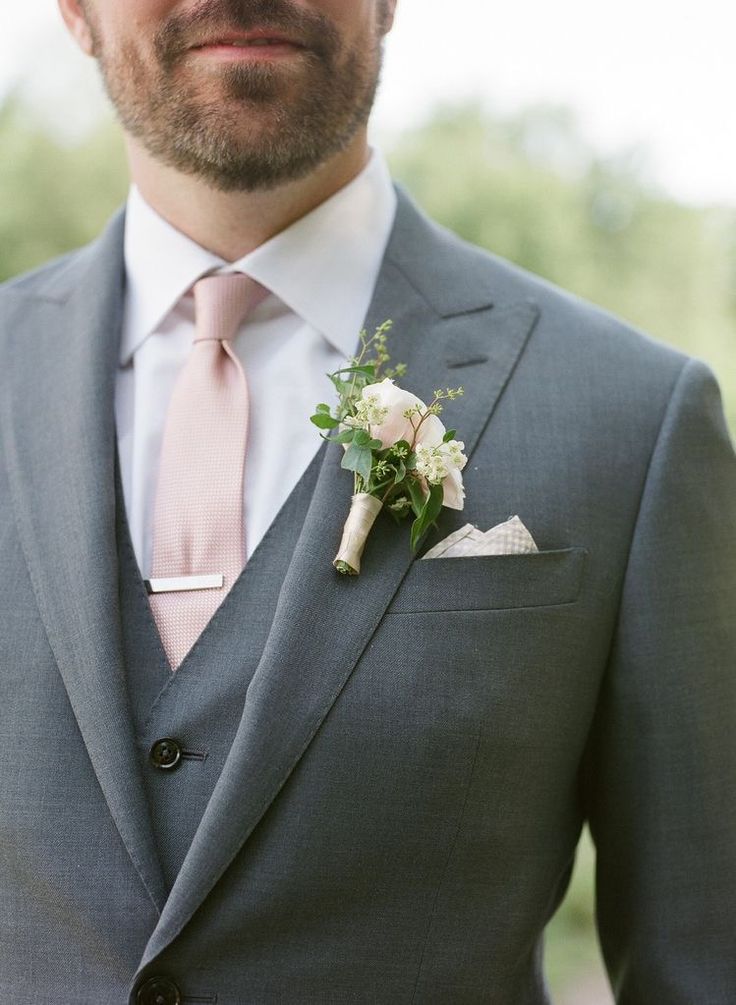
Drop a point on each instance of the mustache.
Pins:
(213, 17)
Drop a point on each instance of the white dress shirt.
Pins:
(321, 271)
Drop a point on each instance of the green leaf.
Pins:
(449, 435)
(362, 438)
(416, 495)
(368, 370)
(418, 531)
(374, 444)
(346, 436)
(400, 473)
(359, 460)
(323, 408)
(434, 504)
(341, 386)
(323, 421)
(428, 515)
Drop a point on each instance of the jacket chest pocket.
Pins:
(496, 644)
(488, 583)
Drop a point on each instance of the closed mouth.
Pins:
(261, 39)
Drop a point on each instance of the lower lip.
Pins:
(249, 53)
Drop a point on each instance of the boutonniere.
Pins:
(400, 453)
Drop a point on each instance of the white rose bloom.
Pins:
(395, 425)
(454, 497)
(443, 463)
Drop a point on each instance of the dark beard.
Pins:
(208, 139)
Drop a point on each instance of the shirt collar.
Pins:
(324, 267)
(161, 264)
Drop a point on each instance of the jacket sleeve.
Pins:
(660, 777)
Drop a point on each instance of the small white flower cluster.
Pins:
(436, 463)
(369, 411)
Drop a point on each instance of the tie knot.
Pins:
(222, 303)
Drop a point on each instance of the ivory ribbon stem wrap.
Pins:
(364, 509)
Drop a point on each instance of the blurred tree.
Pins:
(53, 197)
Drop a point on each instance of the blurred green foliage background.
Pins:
(528, 188)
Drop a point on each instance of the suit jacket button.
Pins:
(158, 991)
(166, 755)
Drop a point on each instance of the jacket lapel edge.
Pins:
(61, 468)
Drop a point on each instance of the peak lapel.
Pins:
(61, 343)
(324, 621)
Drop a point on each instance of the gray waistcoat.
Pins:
(200, 705)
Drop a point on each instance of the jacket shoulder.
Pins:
(48, 280)
(57, 278)
(571, 333)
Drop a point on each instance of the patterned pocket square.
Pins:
(509, 538)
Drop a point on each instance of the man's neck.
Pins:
(231, 224)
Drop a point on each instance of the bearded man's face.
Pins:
(245, 94)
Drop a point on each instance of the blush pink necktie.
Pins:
(198, 532)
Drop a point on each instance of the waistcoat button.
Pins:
(158, 991)
(165, 755)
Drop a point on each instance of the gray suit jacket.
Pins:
(419, 747)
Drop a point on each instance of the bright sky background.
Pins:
(656, 72)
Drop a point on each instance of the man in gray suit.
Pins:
(362, 789)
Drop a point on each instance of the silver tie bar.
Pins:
(182, 584)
